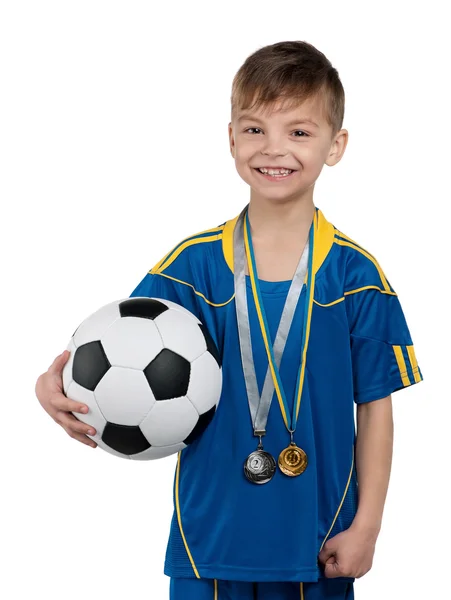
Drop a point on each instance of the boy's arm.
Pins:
(350, 553)
(373, 457)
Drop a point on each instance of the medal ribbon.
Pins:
(259, 407)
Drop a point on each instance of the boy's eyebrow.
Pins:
(293, 122)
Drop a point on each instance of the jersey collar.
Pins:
(324, 240)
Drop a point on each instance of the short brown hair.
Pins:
(293, 72)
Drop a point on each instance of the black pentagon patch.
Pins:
(146, 308)
(211, 346)
(201, 425)
(168, 375)
(126, 439)
(90, 365)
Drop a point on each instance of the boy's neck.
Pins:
(273, 221)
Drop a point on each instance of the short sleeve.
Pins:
(382, 351)
(155, 285)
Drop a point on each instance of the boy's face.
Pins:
(282, 139)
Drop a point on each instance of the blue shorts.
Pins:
(217, 589)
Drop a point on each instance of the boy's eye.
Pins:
(298, 131)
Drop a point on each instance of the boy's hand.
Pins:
(49, 392)
(348, 554)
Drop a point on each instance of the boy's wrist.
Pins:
(366, 527)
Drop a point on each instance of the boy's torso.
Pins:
(223, 526)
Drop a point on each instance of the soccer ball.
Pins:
(150, 374)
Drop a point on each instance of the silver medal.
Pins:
(259, 467)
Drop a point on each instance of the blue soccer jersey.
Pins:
(359, 350)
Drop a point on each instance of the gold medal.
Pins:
(292, 460)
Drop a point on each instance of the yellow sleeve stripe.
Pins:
(401, 365)
(174, 253)
(403, 368)
(412, 357)
(413, 362)
(371, 258)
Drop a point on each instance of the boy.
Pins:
(265, 501)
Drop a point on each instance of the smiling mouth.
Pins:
(276, 177)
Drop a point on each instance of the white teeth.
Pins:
(273, 172)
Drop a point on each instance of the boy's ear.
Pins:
(338, 147)
(231, 140)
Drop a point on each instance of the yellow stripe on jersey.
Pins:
(330, 303)
(341, 503)
(413, 362)
(189, 241)
(370, 287)
(324, 241)
(310, 306)
(179, 518)
(154, 269)
(362, 289)
(401, 365)
(371, 258)
(196, 292)
(227, 241)
(343, 235)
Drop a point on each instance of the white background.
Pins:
(114, 147)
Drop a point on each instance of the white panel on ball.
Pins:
(94, 416)
(205, 384)
(132, 342)
(155, 452)
(179, 307)
(124, 396)
(95, 325)
(191, 344)
(169, 421)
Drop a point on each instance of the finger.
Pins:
(82, 438)
(61, 402)
(325, 560)
(326, 553)
(331, 570)
(59, 362)
(72, 424)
